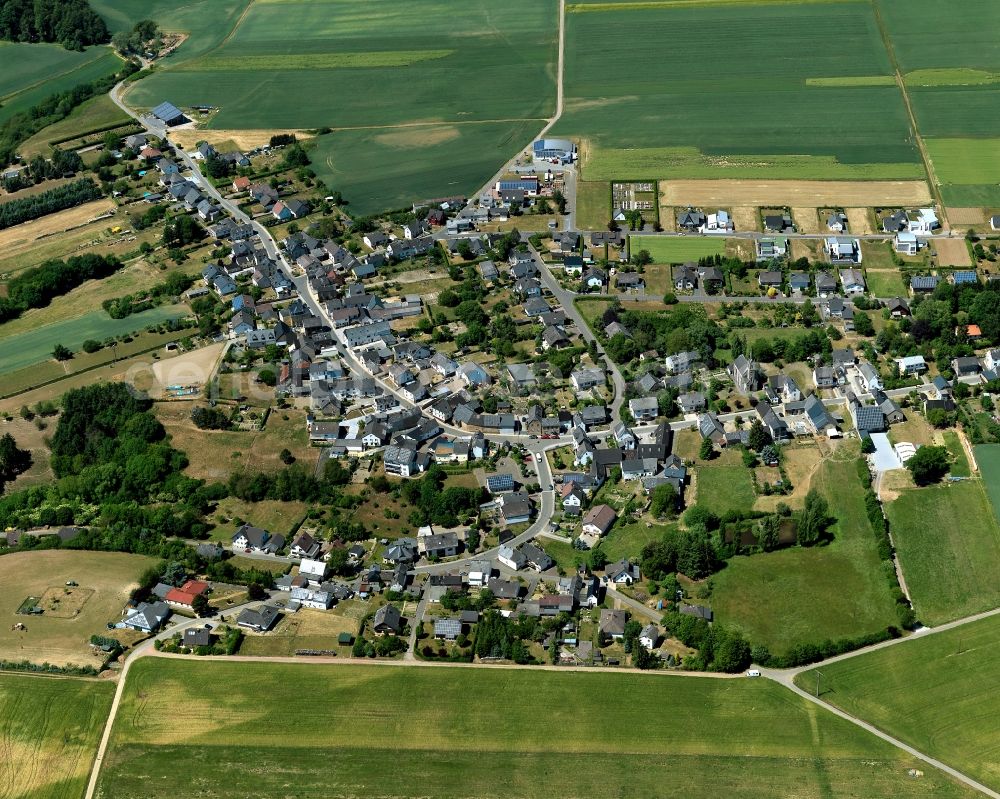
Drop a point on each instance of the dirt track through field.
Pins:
(795, 193)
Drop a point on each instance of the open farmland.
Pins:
(335, 64)
(936, 693)
(49, 729)
(808, 595)
(675, 250)
(715, 78)
(988, 460)
(105, 579)
(25, 349)
(451, 732)
(948, 55)
(948, 543)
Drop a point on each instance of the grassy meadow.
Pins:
(988, 460)
(716, 92)
(936, 693)
(49, 730)
(61, 635)
(948, 542)
(452, 732)
(807, 595)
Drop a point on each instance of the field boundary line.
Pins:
(917, 136)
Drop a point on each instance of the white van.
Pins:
(753, 673)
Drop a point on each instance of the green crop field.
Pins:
(715, 78)
(26, 349)
(401, 75)
(676, 249)
(948, 543)
(809, 595)
(455, 732)
(38, 70)
(935, 692)
(950, 58)
(988, 460)
(49, 729)
(382, 168)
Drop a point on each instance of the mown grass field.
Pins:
(936, 693)
(724, 484)
(452, 732)
(886, 283)
(727, 62)
(109, 575)
(802, 595)
(948, 543)
(49, 729)
(24, 349)
(675, 250)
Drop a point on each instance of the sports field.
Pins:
(948, 543)
(61, 635)
(49, 729)
(800, 595)
(714, 79)
(936, 693)
(391, 731)
(676, 249)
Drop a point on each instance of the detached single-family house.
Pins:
(912, 365)
(745, 374)
(843, 250)
(599, 520)
(906, 243)
(644, 409)
(387, 620)
(611, 626)
(853, 281)
(146, 617)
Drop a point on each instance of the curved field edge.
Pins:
(936, 693)
(49, 731)
(383, 731)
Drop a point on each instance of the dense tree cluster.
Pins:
(210, 419)
(60, 198)
(60, 163)
(143, 34)
(183, 230)
(929, 464)
(71, 23)
(13, 460)
(503, 638)
(684, 328)
(719, 649)
(436, 504)
(36, 288)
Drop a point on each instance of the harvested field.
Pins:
(806, 220)
(54, 223)
(952, 252)
(966, 216)
(795, 193)
(859, 221)
(745, 217)
(189, 138)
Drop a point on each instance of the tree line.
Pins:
(71, 23)
(37, 287)
(48, 202)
